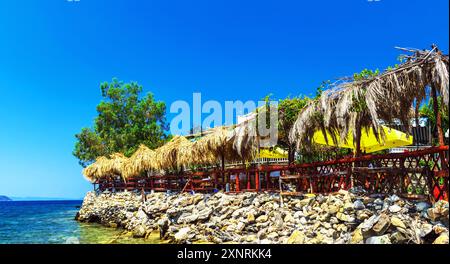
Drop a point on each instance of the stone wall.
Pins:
(342, 218)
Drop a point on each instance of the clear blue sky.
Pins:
(55, 53)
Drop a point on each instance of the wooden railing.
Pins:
(416, 174)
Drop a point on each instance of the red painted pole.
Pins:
(238, 189)
(248, 181)
(257, 180)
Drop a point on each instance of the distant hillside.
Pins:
(4, 198)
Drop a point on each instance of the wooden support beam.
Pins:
(438, 115)
(257, 181)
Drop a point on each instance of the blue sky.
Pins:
(55, 53)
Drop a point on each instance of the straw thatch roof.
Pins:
(142, 160)
(244, 140)
(352, 104)
(116, 164)
(166, 155)
(96, 170)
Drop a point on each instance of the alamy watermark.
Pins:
(260, 118)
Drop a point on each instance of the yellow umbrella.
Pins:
(275, 153)
(369, 143)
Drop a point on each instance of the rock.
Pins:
(258, 218)
(240, 226)
(262, 219)
(139, 231)
(345, 217)
(272, 236)
(303, 221)
(378, 240)
(395, 221)
(422, 206)
(369, 223)
(357, 237)
(425, 230)
(442, 239)
(288, 218)
(141, 215)
(332, 209)
(186, 218)
(348, 206)
(182, 234)
(398, 238)
(250, 218)
(433, 214)
(204, 214)
(382, 224)
(394, 208)
(298, 214)
(438, 229)
(358, 205)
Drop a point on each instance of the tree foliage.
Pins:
(125, 120)
(427, 110)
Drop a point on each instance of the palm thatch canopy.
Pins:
(244, 141)
(142, 160)
(350, 104)
(116, 165)
(166, 155)
(96, 170)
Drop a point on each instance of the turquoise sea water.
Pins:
(51, 222)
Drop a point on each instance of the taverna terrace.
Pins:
(230, 159)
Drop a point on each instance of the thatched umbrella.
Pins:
(116, 165)
(185, 156)
(245, 140)
(350, 105)
(166, 155)
(96, 170)
(143, 160)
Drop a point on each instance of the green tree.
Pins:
(125, 120)
(427, 110)
(288, 109)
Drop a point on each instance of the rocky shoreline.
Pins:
(345, 217)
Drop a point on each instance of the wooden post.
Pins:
(248, 180)
(238, 189)
(358, 139)
(257, 180)
(223, 168)
(438, 115)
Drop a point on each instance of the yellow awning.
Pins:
(369, 143)
(275, 153)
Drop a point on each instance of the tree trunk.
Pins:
(437, 113)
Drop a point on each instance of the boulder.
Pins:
(382, 224)
(378, 240)
(357, 237)
(262, 219)
(442, 239)
(397, 222)
(394, 208)
(182, 234)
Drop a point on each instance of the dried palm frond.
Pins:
(143, 160)
(355, 104)
(96, 170)
(166, 155)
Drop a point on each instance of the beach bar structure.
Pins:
(226, 158)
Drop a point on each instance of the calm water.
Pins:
(52, 222)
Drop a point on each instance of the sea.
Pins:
(53, 222)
